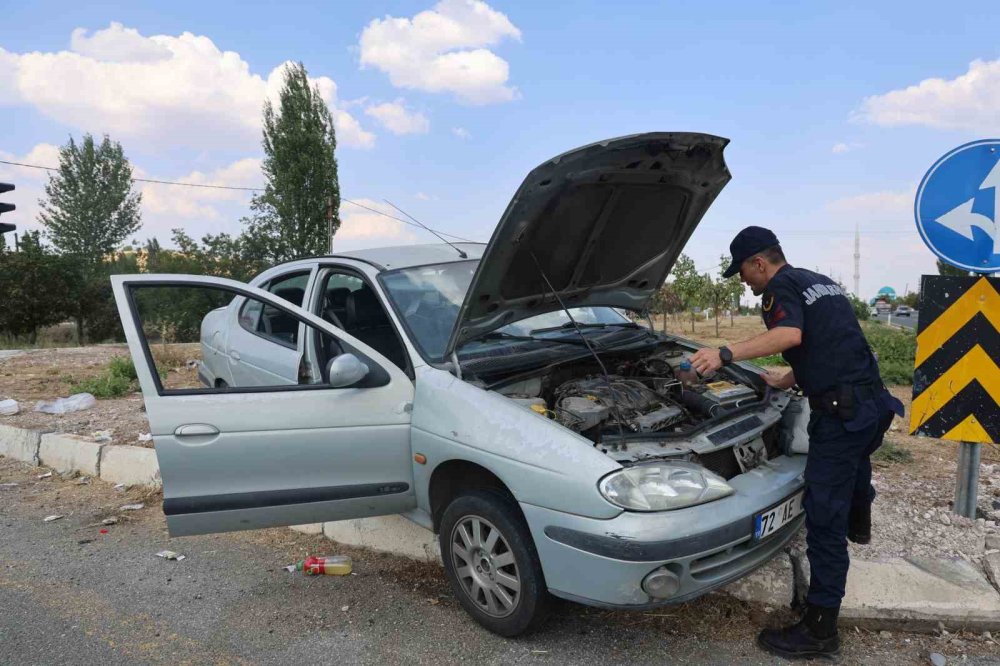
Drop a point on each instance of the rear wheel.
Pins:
(491, 563)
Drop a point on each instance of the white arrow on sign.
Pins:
(961, 219)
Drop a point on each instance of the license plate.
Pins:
(770, 521)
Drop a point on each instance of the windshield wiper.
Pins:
(500, 335)
(569, 325)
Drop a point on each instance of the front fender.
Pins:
(540, 461)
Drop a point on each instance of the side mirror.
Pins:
(346, 370)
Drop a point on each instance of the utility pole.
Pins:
(329, 221)
(857, 260)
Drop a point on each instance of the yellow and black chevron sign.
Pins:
(956, 381)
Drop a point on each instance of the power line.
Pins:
(252, 189)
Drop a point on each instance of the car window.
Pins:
(428, 299)
(270, 322)
(350, 304)
(186, 333)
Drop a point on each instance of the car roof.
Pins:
(401, 256)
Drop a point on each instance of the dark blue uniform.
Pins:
(851, 410)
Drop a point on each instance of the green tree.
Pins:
(289, 219)
(948, 269)
(861, 309)
(36, 286)
(665, 301)
(90, 209)
(734, 288)
(688, 284)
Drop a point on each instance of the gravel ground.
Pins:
(72, 595)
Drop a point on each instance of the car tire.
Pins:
(491, 563)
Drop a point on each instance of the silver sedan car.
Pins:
(496, 394)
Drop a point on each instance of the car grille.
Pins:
(722, 462)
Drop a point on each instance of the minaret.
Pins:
(857, 260)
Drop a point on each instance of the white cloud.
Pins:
(361, 228)
(422, 196)
(968, 102)
(161, 90)
(461, 133)
(396, 118)
(443, 50)
(841, 148)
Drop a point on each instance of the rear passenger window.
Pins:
(268, 321)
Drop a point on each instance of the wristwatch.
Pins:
(726, 354)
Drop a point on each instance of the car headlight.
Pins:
(663, 486)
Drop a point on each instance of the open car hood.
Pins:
(604, 223)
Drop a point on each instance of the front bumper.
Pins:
(603, 562)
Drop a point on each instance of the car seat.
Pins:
(367, 320)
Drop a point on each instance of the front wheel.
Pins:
(491, 563)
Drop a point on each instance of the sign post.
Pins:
(956, 381)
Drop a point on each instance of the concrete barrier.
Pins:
(131, 465)
(388, 534)
(20, 444)
(70, 453)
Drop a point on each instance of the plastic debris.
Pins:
(102, 436)
(132, 507)
(145, 437)
(104, 530)
(330, 565)
(170, 555)
(75, 403)
(938, 659)
(9, 407)
(83, 481)
(7, 486)
(344, 609)
(49, 519)
(47, 475)
(109, 521)
(191, 364)
(120, 487)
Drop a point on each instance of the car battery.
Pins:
(727, 394)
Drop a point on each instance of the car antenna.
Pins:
(600, 363)
(461, 253)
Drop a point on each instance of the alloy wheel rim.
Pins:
(485, 566)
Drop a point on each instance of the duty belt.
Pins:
(842, 400)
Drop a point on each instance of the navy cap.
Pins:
(747, 243)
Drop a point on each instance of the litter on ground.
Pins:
(170, 555)
(132, 507)
(75, 403)
(47, 475)
(49, 519)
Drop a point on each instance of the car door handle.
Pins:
(196, 430)
(235, 355)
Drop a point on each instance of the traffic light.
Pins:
(6, 208)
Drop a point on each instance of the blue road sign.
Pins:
(958, 207)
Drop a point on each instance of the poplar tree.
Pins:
(289, 219)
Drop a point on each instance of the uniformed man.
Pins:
(811, 322)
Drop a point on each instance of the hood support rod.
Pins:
(600, 363)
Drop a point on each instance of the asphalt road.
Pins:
(70, 595)
(909, 322)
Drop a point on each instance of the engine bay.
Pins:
(652, 405)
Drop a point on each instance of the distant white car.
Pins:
(873, 311)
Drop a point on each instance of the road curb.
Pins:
(131, 465)
(20, 444)
(70, 453)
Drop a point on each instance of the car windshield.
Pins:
(428, 299)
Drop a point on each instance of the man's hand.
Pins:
(706, 361)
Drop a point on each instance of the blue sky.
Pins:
(442, 108)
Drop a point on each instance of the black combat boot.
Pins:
(815, 635)
(859, 524)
